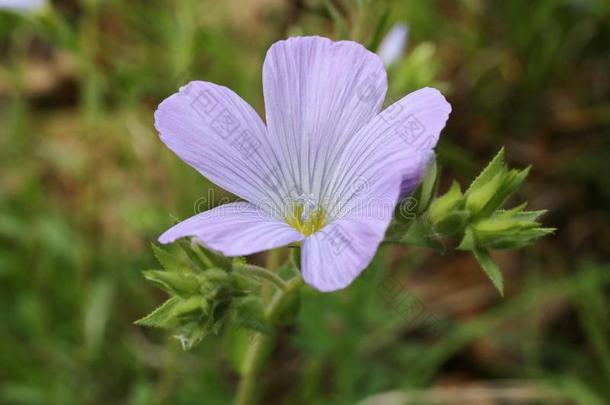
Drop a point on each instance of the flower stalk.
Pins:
(264, 274)
(254, 356)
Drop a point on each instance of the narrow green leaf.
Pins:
(337, 18)
(159, 318)
(210, 258)
(491, 268)
(176, 312)
(176, 283)
(468, 242)
(447, 212)
(480, 200)
(511, 181)
(495, 167)
(191, 334)
(421, 233)
(169, 261)
(248, 312)
(530, 215)
(428, 187)
(378, 30)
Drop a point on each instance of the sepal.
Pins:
(509, 229)
(491, 268)
(493, 186)
(447, 213)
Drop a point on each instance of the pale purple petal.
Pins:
(400, 139)
(415, 174)
(234, 229)
(26, 6)
(334, 256)
(389, 151)
(318, 94)
(215, 131)
(393, 45)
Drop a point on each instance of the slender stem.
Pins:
(255, 354)
(272, 263)
(201, 255)
(265, 274)
(273, 259)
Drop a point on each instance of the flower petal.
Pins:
(234, 229)
(333, 257)
(318, 94)
(393, 45)
(414, 174)
(399, 139)
(212, 129)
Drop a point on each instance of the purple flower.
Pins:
(393, 44)
(27, 6)
(328, 168)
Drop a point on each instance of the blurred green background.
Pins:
(86, 185)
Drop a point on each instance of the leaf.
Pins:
(510, 183)
(175, 283)
(493, 186)
(468, 242)
(236, 343)
(217, 283)
(378, 30)
(159, 318)
(495, 167)
(447, 212)
(248, 312)
(515, 241)
(170, 262)
(206, 257)
(191, 334)
(202, 257)
(176, 312)
(491, 268)
(421, 233)
(428, 187)
(289, 269)
(338, 19)
(509, 229)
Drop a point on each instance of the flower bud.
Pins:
(478, 199)
(193, 306)
(447, 212)
(509, 229)
(183, 284)
(492, 187)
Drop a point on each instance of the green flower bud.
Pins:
(216, 284)
(183, 284)
(447, 212)
(191, 307)
(493, 186)
(509, 229)
(478, 199)
(427, 188)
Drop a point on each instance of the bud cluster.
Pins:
(476, 218)
(206, 291)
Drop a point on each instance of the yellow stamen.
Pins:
(306, 224)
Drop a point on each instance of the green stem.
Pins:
(205, 260)
(272, 263)
(265, 274)
(273, 259)
(255, 354)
